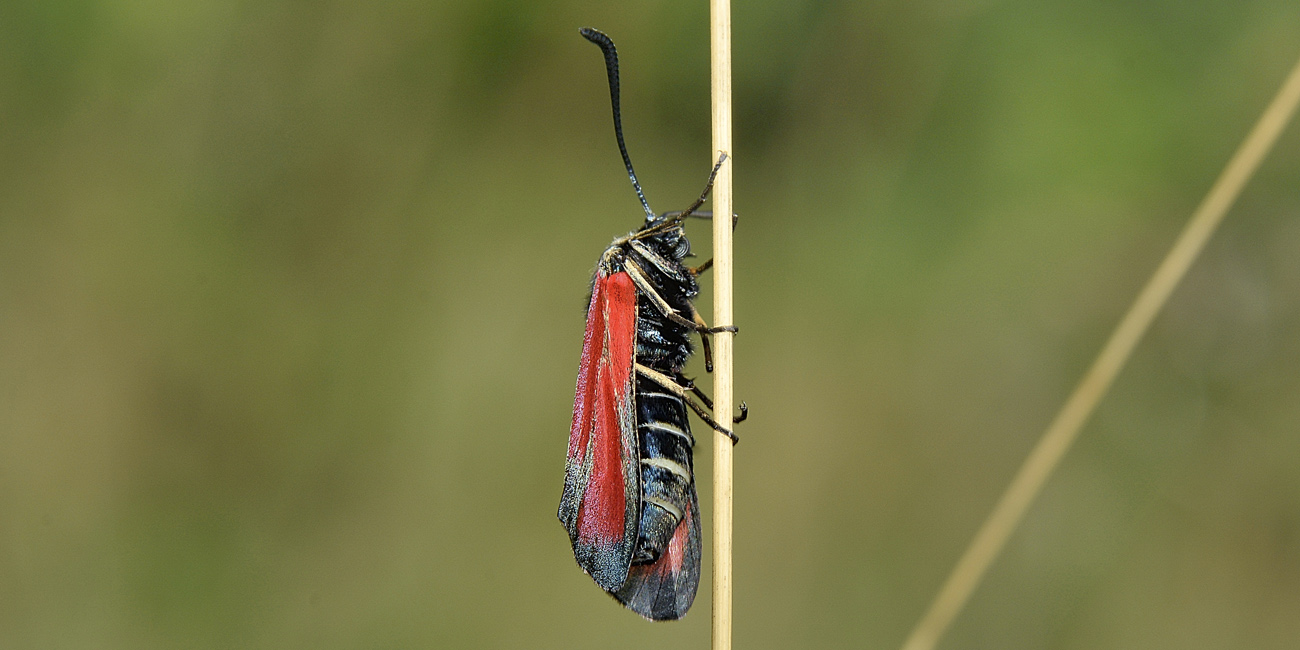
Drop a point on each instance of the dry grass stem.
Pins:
(720, 48)
(1010, 509)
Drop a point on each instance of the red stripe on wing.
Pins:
(601, 502)
(604, 504)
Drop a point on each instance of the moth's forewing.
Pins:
(600, 506)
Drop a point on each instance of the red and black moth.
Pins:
(629, 502)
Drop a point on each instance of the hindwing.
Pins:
(664, 589)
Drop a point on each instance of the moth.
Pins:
(629, 502)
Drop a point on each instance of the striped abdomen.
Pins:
(667, 486)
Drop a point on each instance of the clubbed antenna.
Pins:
(611, 66)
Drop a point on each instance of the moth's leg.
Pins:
(670, 268)
(704, 330)
(708, 403)
(708, 187)
(681, 391)
(703, 327)
(639, 279)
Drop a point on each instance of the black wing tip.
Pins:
(657, 617)
(669, 605)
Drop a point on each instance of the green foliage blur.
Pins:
(292, 295)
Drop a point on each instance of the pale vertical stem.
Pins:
(720, 48)
(1024, 488)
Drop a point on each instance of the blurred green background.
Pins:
(292, 295)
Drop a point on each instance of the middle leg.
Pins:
(681, 391)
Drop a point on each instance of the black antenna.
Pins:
(611, 66)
